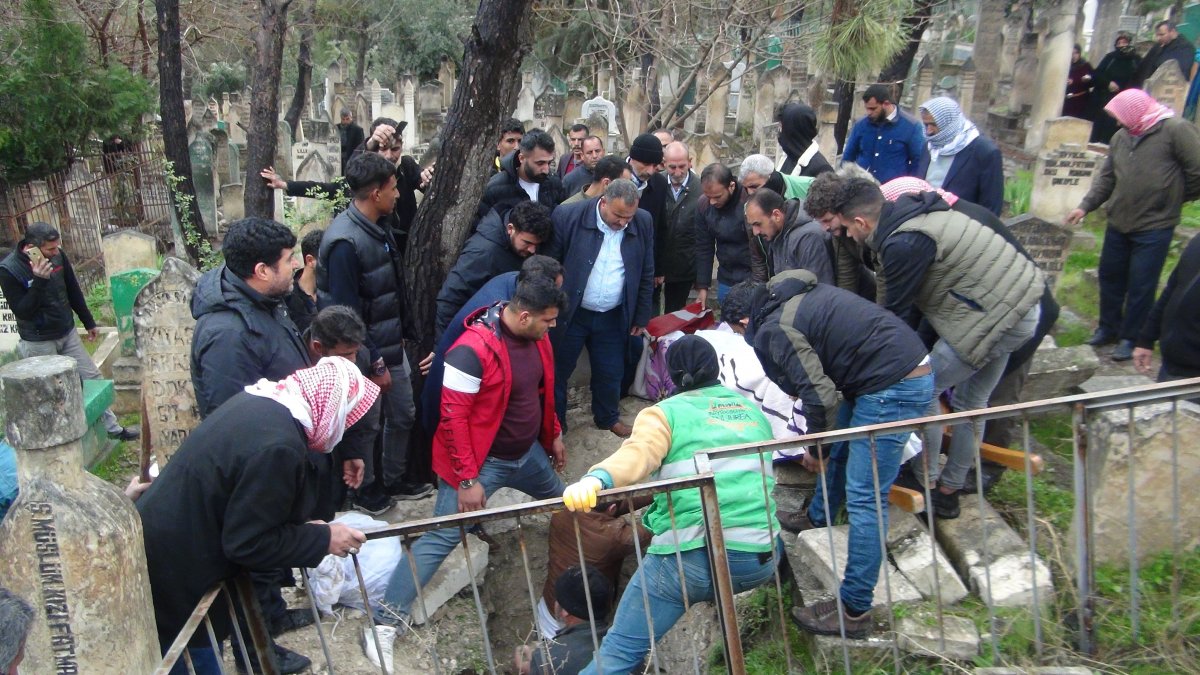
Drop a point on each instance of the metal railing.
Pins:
(254, 623)
(1079, 576)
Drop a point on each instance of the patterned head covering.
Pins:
(955, 131)
(324, 399)
(906, 185)
(1137, 111)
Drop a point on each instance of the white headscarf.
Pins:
(324, 399)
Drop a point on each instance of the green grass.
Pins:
(1017, 191)
(1051, 503)
(123, 462)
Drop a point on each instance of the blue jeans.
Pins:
(722, 291)
(628, 639)
(204, 661)
(853, 479)
(1129, 268)
(531, 474)
(606, 336)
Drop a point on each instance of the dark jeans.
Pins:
(1129, 269)
(675, 295)
(605, 334)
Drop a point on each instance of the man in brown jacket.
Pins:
(1153, 167)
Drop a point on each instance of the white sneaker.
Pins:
(387, 637)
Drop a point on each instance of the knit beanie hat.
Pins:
(647, 149)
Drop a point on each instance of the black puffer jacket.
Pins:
(43, 306)
(487, 254)
(677, 251)
(723, 232)
(504, 192)
(828, 340)
(241, 336)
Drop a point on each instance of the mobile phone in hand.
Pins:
(35, 255)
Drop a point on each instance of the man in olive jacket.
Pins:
(974, 288)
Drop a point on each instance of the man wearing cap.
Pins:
(645, 158)
(886, 142)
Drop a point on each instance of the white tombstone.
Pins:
(1061, 179)
(603, 107)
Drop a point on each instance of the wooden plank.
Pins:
(906, 499)
(1011, 459)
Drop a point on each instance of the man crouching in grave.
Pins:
(237, 494)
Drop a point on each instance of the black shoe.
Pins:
(126, 434)
(795, 521)
(1101, 337)
(286, 662)
(292, 619)
(408, 490)
(373, 504)
(822, 619)
(992, 473)
(1123, 351)
(945, 506)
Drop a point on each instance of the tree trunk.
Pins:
(914, 26)
(486, 93)
(304, 68)
(264, 106)
(174, 125)
(360, 67)
(844, 94)
(143, 39)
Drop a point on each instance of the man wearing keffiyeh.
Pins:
(237, 494)
(1153, 167)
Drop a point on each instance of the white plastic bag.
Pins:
(334, 580)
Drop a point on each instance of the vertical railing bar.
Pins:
(1082, 521)
(237, 629)
(883, 554)
(312, 600)
(187, 661)
(682, 576)
(983, 527)
(1031, 526)
(722, 578)
(1134, 609)
(487, 642)
(933, 455)
(587, 595)
(212, 641)
(362, 588)
(1175, 515)
(545, 639)
(255, 624)
(637, 552)
(764, 467)
(837, 592)
(406, 544)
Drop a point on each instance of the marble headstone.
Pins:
(1061, 179)
(1047, 242)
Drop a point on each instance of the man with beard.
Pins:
(591, 150)
(350, 136)
(524, 175)
(1169, 46)
(886, 142)
(796, 241)
(721, 231)
(573, 159)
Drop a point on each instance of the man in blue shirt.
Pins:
(886, 142)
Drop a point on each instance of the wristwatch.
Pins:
(379, 368)
(466, 484)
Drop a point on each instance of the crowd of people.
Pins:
(859, 295)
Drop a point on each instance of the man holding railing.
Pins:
(703, 415)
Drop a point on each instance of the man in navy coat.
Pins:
(606, 246)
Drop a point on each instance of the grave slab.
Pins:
(916, 557)
(959, 639)
(1059, 371)
(816, 555)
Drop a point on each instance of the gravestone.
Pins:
(283, 141)
(1061, 179)
(601, 114)
(8, 327)
(233, 206)
(129, 250)
(205, 181)
(235, 164)
(1062, 131)
(1046, 241)
(550, 105)
(163, 318)
(525, 99)
(573, 108)
(430, 97)
(127, 373)
(1168, 86)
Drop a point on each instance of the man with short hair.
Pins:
(16, 620)
(815, 340)
(721, 230)
(1169, 46)
(850, 267)
(574, 158)
(497, 429)
(974, 288)
(887, 142)
(524, 176)
(42, 291)
(511, 133)
(570, 649)
(796, 241)
(350, 136)
(677, 229)
(501, 244)
(758, 171)
(243, 332)
(591, 150)
(607, 250)
(302, 302)
(607, 170)
(665, 136)
(359, 265)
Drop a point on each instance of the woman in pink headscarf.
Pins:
(1153, 167)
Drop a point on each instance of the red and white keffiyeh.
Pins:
(1137, 111)
(906, 185)
(324, 399)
